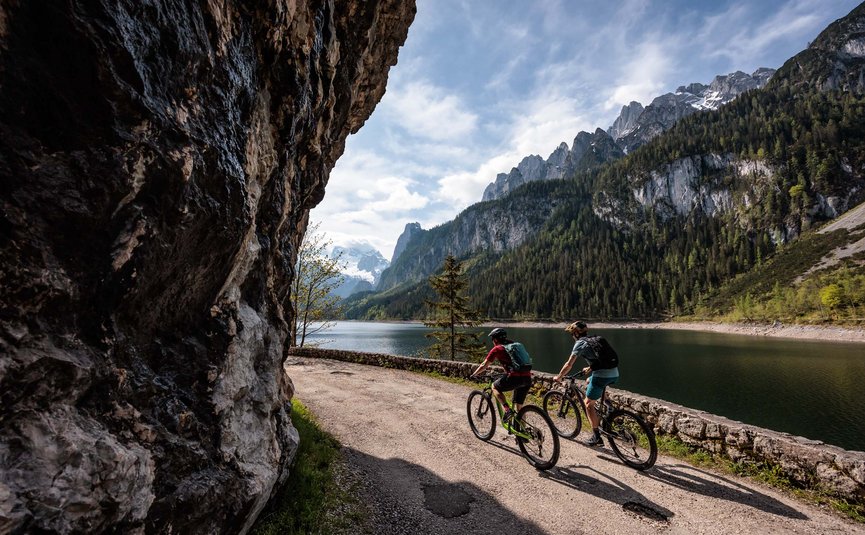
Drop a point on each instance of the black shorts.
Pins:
(520, 384)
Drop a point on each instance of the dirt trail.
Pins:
(407, 436)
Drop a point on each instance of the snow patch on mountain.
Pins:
(361, 265)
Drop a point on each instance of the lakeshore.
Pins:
(790, 331)
(691, 366)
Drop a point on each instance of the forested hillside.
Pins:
(675, 227)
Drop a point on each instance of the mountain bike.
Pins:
(631, 438)
(534, 430)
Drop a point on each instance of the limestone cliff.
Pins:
(158, 161)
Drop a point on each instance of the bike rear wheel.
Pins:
(482, 414)
(541, 449)
(564, 414)
(631, 439)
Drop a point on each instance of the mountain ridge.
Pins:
(702, 202)
(635, 126)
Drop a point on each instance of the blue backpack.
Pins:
(519, 356)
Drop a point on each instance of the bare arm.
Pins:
(483, 366)
(565, 368)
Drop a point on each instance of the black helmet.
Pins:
(498, 332)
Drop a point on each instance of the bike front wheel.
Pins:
(482, 414)
(541, 448)
(564, 414)
(631, 439)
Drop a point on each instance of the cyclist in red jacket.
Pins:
(520, 381)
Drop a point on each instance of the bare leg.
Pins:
(592, 413)
(501, 397)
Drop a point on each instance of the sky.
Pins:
(481, 84)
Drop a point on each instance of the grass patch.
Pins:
(313, 500)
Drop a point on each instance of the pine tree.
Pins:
(453, 313)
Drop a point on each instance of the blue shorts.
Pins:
(595, 386)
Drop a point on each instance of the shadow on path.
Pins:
(406, 498)
(586, 479)
(694, 480)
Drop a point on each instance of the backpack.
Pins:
(519, 356)
(607, 356)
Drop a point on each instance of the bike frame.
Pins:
(618, 436)
(572, 391)
(489, 390)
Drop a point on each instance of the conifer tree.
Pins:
(452, 314)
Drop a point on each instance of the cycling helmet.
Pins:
(498, 332)
(577, 327)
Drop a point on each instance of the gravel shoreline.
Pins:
(805, 332)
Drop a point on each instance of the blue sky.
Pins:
(480, 84)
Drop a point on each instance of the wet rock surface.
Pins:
(158, 161)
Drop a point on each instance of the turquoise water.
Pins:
(809, 388)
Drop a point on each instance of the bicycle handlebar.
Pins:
(488, 375)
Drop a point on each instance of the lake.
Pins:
(810, 388)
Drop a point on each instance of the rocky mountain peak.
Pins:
(634, 126)
(584, 154)
(627, 120)
(361, 267)
(410, 230)
(665, 110)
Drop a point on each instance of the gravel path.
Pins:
(406, 435)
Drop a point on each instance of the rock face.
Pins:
(410, 230)
(835, 59)
(159, 160)
(498, 226)
(626, 122)
(633, 129)
(587, 151)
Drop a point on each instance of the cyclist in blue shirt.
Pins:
(598, 376)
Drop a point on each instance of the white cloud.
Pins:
(644, 75)
(740, 36)
(429, 112)
(466, 187)
(395, 196)
(550, 119)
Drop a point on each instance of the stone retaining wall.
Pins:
(809, 463)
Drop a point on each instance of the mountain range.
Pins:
(695, 192)
(635, 126)
(361, 267)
